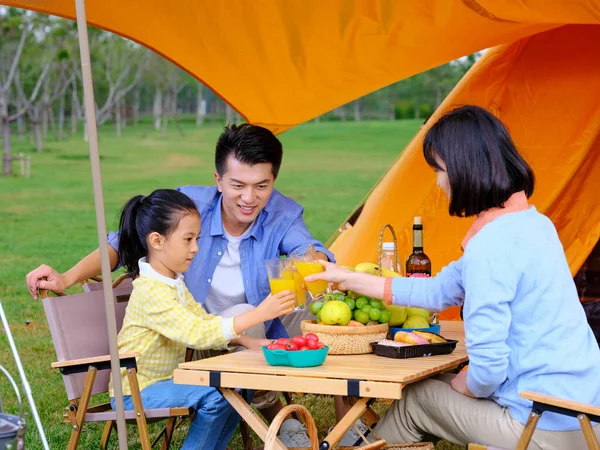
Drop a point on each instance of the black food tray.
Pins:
(414, 351)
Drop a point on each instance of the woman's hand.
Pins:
(333, 274)
(459, 384)
(348, 280)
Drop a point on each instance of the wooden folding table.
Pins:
(366, 377)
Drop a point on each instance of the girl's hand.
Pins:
(459, 384)
(277, 305)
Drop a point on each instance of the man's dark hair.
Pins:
(249, 144)
(483, 165)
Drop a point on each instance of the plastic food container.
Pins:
(414, 351)
(432, 329)
(295, 358)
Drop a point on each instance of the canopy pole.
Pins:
(90, 122)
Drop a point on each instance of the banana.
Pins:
(367, 267)
(374, 269)
(389, 273)
(410, 338)
(431, 337)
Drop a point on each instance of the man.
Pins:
(245, 221)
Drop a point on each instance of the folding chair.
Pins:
(95, 283)
(541, 403)
(78, 328)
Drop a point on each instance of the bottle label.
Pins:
(418, 239)
(418, 275)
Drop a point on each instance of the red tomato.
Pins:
(311, 337)
(275, 347)
(283, 341)
(321, 345)
(299, 341)
(304, 348)
(291, 347)
(312, 344)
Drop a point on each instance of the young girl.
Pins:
(158, 241)
(525, 329)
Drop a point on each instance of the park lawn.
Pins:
(49, 218)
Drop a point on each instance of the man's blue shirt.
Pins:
(277, 230)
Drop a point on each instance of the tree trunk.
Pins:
(6, 135)
(36, 122)
(85, 132)
(61, 118)
(74, 107)
(21, 127)
(52, 123)
(229, 115)
(357, 110)
(157, 108)
(37, 133)
(118, 117)
(136, 107)
(165, 112)
(200, 105)
(45, 104)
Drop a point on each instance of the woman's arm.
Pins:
(434, 294)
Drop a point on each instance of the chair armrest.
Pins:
(73, 366)
(561, 403)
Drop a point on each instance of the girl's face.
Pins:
(173, 254)
(442, 177)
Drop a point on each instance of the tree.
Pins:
(15, 28)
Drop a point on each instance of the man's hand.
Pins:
(459, 384)
(54, 282)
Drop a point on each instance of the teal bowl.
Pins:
(296, 358)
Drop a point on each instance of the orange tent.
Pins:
(282, 62)
(545, 88)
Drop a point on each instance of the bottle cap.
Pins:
(388, 246)
(417, 220)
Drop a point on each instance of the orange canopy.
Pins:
(283, 62)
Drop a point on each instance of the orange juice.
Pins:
(306, 268)
(300, 291)
(281, 284)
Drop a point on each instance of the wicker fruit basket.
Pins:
(346, 340)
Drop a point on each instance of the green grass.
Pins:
(50, 218)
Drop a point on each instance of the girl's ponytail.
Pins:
(132, 246)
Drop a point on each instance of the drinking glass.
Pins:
(283, 277)
(307, 263)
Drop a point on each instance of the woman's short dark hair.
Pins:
(249, 144)
(483, 165)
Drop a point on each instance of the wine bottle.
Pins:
(418, 263)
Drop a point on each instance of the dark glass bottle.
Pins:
(418, 263)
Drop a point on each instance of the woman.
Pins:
(525, 328)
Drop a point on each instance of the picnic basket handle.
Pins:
(380, 247)
(302, 413)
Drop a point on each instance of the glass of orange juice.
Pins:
(306, 262)
(283, 277)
